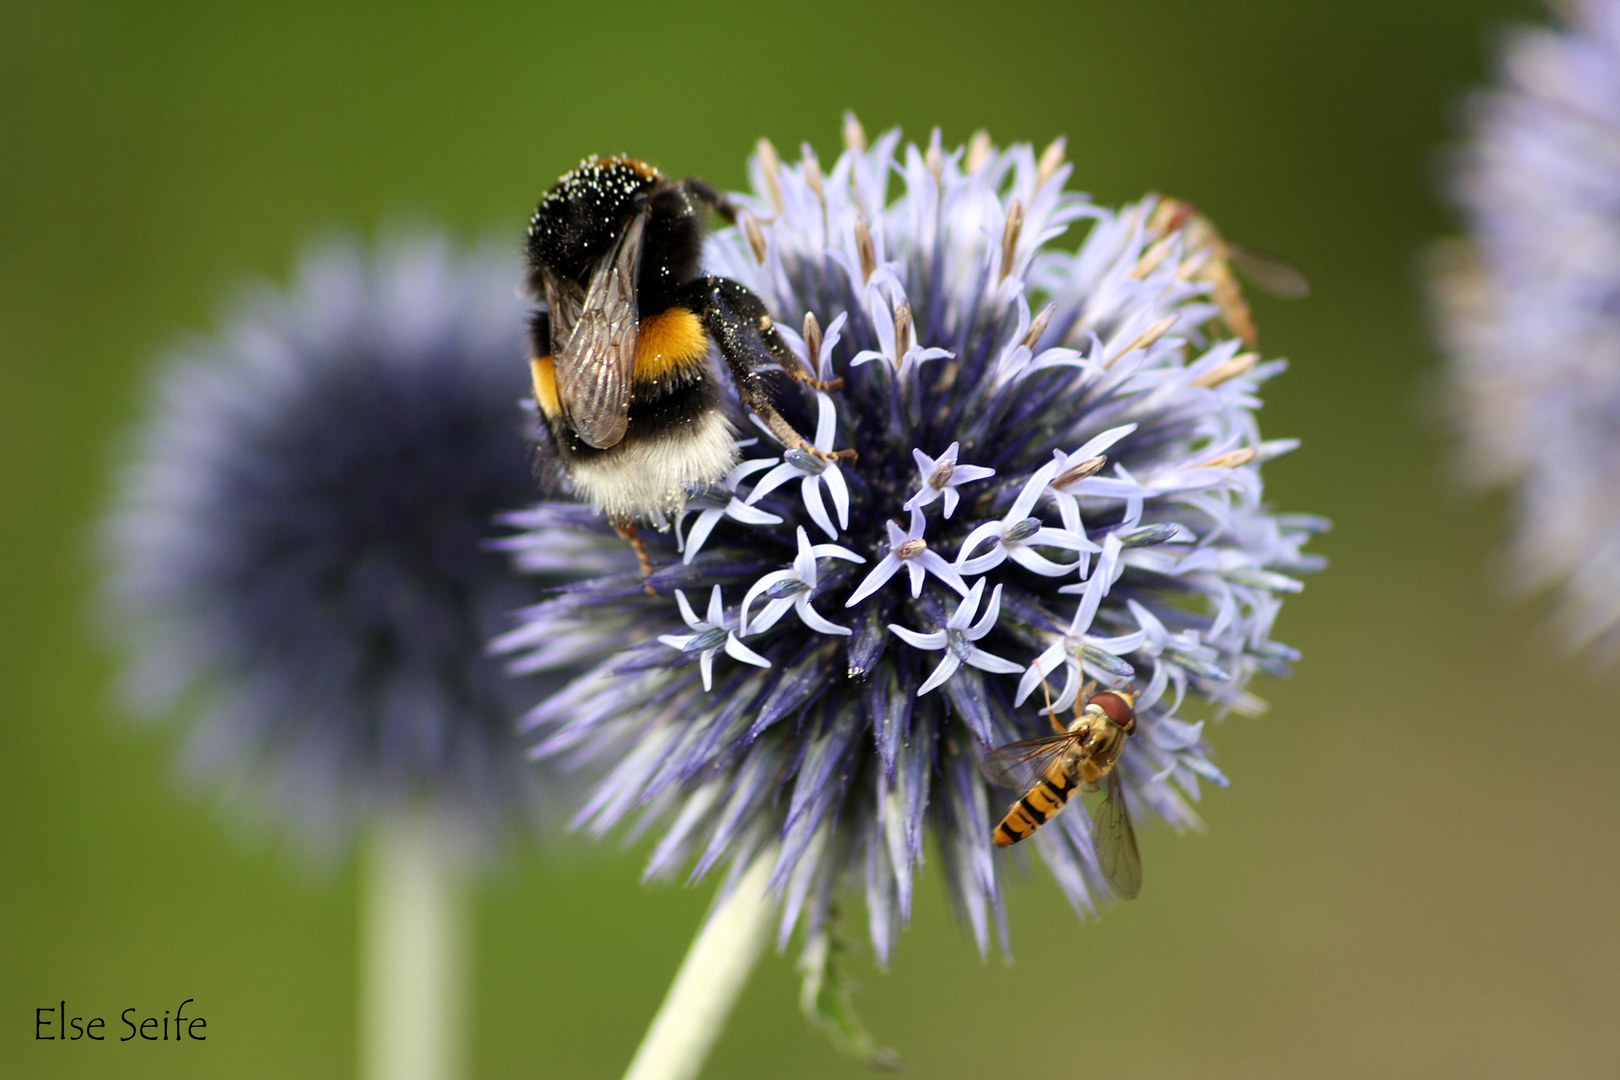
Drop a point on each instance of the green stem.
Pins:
(710, 980)
(414, 921)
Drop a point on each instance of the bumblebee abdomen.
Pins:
(670, 343)
(644, 476)
(673, 383)
(677, 433)
(671, 378)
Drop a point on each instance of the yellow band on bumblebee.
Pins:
(668, 341)
(544, 373)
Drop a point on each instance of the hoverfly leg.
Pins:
(1057, 725)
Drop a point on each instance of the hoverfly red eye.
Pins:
(1117, 706)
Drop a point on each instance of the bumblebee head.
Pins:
(582, 217)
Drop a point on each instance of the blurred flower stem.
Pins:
(710, 980)
(414, 934)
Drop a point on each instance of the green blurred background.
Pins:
(1416, 871)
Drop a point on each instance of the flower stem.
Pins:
(414, 919)
(711, 977)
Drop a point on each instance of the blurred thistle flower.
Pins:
(1055, 450)
(1530, 313)
(299, 545)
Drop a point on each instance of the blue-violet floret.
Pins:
(1055, 446)
(1528, 306)
(299, 550)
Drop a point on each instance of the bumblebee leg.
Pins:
(627, 531)
(739, 324)
(703, 194)
(717, 201)
(818, 384)
(710, 197)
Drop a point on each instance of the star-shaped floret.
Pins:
(1175, 657)
(715, 502)
(814, 471)
(1218, 465)
(910, 550)
(941, 475)
(897, 345)
(824, 341)
(785, 589)
(1018, 355)
(1017, 533)
(1109, 566)
(1079, 652)
(1076, 475)
(713, 634)
(957, 639)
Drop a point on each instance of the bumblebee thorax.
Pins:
(584, 212)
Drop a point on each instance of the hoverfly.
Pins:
(1049, 769)
(1271, 273)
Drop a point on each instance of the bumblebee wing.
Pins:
(1272, 273)
(595, 366)
(564, 301)
(1017, 766)
(1115, 840)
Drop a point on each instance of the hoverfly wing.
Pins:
(1272, 273)
(595, 366)
(1017, 766)
(1115, 840)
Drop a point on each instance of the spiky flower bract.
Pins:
(299, 548)
(1529, 316)
(1058, 475)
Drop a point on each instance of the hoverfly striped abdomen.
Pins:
(1049, 795)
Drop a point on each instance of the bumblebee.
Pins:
(621, 361)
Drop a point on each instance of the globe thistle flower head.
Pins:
(1528, 313)
(1057, 467)
(299, 552)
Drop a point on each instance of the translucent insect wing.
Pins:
(1115, 840)
(1272, 273)
(594, 368)
(1018, 766)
